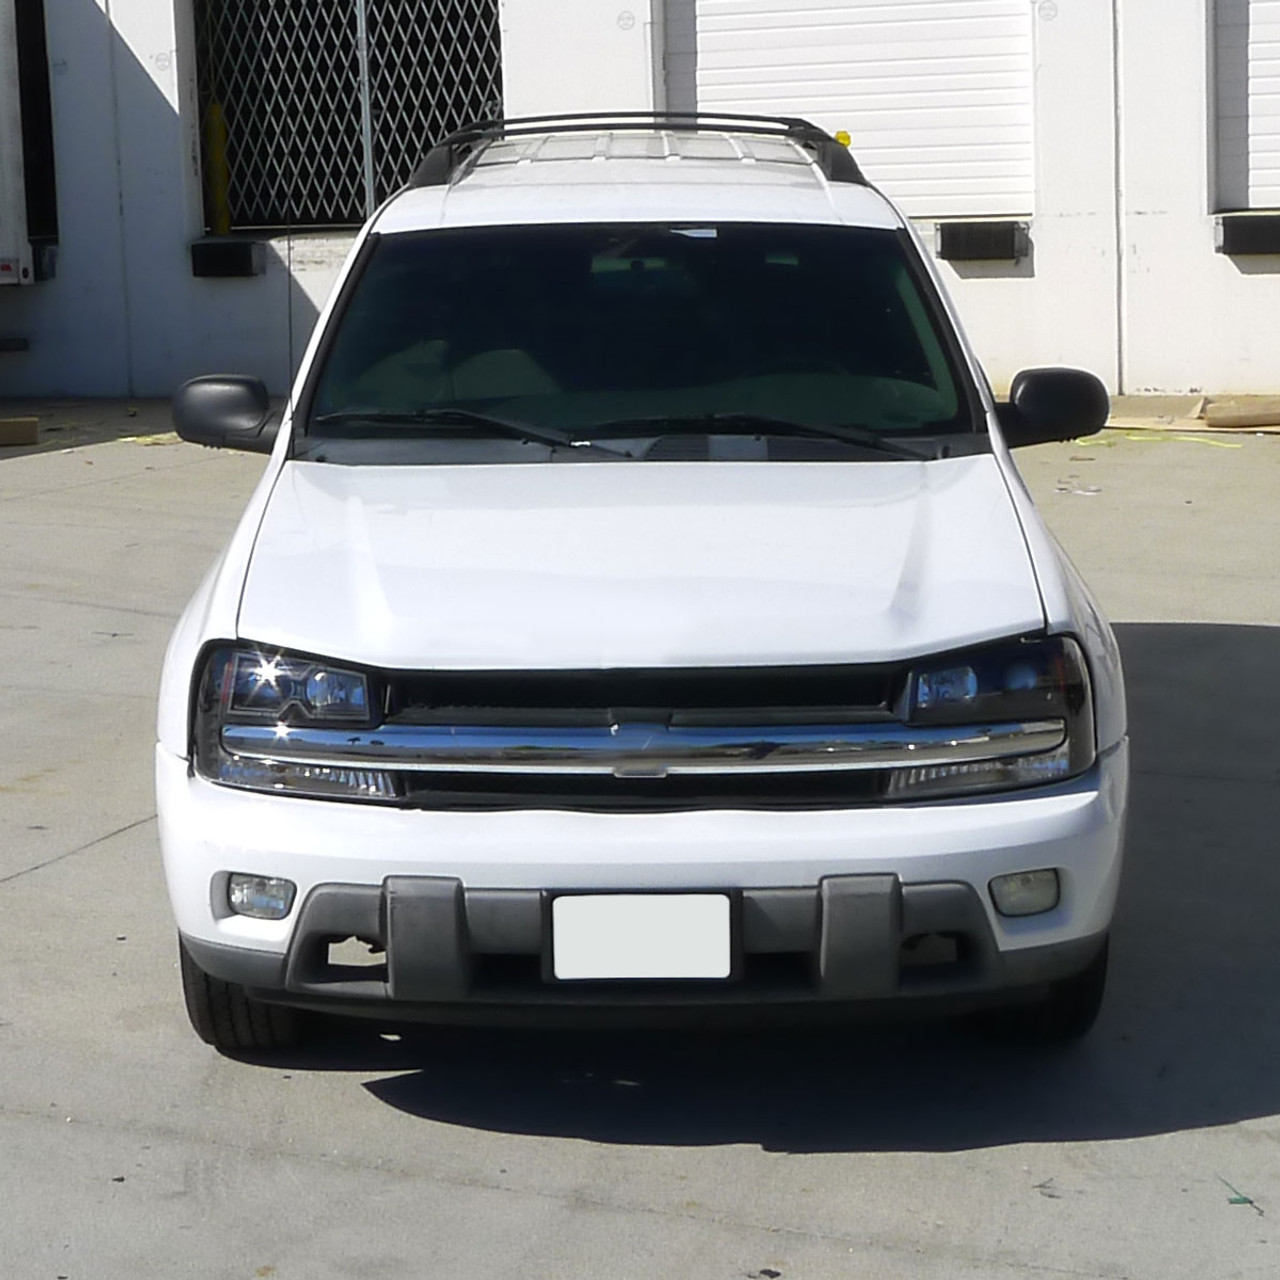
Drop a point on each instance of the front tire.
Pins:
(1065, 1013)
(224, 1015)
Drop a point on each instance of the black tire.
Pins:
(1065, 1013)
(224, 1015)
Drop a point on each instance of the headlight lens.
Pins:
(266, 686)
(252, 685)
(1022, 680)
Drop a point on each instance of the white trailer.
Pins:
(15, 248)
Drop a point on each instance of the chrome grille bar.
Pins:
(642, 750)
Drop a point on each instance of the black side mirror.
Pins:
(226, 411)
(1053, 404)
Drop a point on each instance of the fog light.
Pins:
(1025, 893)
(263, 897)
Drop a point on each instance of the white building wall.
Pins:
(1123, 278)
(581, 55)
(1060, 305)
(76, 324)
(124, 315)
(1195, 319)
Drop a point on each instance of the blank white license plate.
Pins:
(637, 935)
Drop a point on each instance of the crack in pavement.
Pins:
(71, 853)
(168, 616)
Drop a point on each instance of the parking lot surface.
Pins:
(128, 1148)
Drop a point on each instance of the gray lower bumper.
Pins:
(458, 954)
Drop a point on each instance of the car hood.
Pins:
(588, 565)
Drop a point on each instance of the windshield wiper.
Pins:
(445, 417)
(764, 425)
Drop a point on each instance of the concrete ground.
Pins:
(129, 1149)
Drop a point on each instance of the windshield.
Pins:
(634, 333)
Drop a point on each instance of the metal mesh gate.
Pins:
(314, 113)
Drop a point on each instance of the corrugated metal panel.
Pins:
(936, 93)
(1248, 92)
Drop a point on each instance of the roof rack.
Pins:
(448, 155)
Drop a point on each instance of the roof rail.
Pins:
(440, 164)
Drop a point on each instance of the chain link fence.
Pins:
(312, 114)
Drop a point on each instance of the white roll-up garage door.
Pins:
(936, 94)
(1248, 91)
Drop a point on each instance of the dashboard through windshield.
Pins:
(606, 341)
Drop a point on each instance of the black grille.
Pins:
(831, 694)
(606, 794)
(730, 695)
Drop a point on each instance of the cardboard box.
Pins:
(19, 431)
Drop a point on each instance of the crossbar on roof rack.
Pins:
(447, 156)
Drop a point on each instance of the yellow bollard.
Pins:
(217, 174)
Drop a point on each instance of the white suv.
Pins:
(640, 611)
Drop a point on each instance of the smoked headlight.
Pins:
(251, 685)
(270, 686)
(1030, 681)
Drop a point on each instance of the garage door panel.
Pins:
(801, 27)
(980, 107)
(914, 82)
(897, 12)
(880, 111)
(851, 43)
(1247, 34)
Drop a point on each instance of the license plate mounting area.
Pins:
(641, 936)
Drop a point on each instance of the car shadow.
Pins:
(1188, 1036)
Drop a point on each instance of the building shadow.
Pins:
(1023, 268)
(1262, 264)
(124, 314)
(1188, 1036)
(67, 423)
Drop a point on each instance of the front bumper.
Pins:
(831, 906)
(450, 954)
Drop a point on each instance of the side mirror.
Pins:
(1053, 404)
(226, 411)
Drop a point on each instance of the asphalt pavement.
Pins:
(130, 1149)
